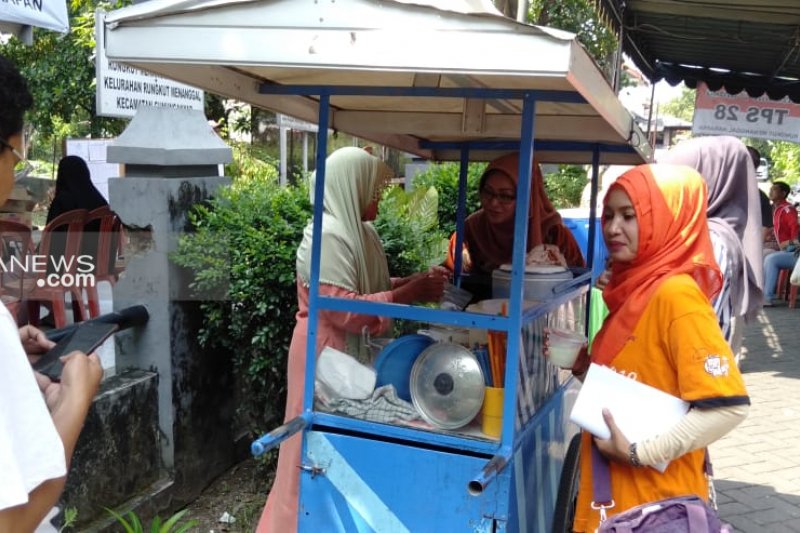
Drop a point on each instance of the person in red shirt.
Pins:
(784, 219)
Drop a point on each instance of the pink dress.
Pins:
(280, 512)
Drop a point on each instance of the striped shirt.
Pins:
(722, 302)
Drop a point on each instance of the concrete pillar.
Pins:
(171, 159)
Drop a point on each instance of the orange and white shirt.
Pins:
(677, 347)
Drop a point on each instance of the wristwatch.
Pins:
(633, 457)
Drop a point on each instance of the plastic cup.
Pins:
(492, 412)
(564, 346)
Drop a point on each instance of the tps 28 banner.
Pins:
(722, 113)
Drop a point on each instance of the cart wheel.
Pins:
(567, 489)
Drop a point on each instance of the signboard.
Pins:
(121, 89)
(721, 113)
(285, 121)
(93, 151)
(49, 14)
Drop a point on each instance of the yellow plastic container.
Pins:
(492, 412)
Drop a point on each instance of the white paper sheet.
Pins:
(640, 411)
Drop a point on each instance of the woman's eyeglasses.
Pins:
(23, 166)
(487, 196)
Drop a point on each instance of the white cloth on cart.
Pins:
(383, 406)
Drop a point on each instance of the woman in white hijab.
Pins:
(734, 223)
(352, 265)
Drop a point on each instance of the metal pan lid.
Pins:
(447, 385)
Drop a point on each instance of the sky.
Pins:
(665, 92)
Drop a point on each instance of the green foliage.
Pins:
(133, 524)
(579, 17)
(444, 177)
(564, 188)
(70, 517)
(242, 253)
(785, 161)
(61, 75)
(408, 226)
(681, 107)
(251, 162)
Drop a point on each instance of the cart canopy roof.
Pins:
(254, 50)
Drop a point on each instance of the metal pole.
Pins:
(316, 252)
(461, 213)
(522, 11)
(305, 152)
(618, 57)
(282, 137)
(650, 111)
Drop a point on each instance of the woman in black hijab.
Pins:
(74, 188)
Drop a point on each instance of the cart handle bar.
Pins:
(279, 434)
(489, 472)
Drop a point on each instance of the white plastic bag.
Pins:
(794, 279)
(340, 375)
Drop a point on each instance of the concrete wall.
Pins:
(117, 454)
(162, 430)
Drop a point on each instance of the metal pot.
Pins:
(540, 282)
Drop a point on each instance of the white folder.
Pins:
(640, 411)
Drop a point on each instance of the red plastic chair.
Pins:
(60, 243)
(15, 246)
(103, 239)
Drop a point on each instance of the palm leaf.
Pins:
(428, 209)
(119, 518)
(173, 520)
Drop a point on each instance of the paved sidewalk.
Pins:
(757, 466)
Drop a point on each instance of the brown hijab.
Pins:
(491, 245)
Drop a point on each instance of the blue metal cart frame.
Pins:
(364, 476)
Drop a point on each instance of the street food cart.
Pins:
(458, 83)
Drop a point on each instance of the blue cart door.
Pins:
(361, 484)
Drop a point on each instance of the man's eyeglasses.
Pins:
(487, 196)
(23, 166)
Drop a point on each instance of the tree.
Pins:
(681, 107)
(579, 17)
(60, 71)
(61, 75)
(785, 157)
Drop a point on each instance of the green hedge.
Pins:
(243, 254)
(444, 177)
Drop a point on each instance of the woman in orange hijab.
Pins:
(489, 232)
(661, 331)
